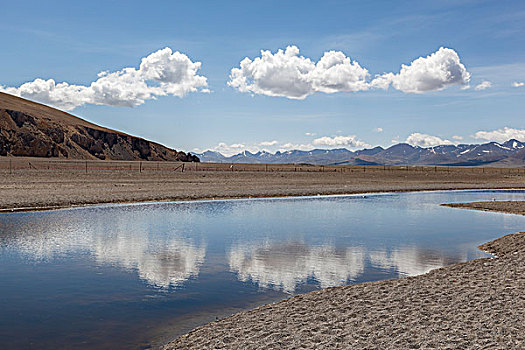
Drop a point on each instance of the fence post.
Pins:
(10, 166)
(140, 167)
(86, 166)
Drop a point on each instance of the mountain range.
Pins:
(507, 154)
(34, 130)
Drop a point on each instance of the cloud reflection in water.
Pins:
(284, 266)
(160, 260)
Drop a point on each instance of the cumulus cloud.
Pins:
(232, 149)
(483, 85)
(457, 137)
(437, 71)
(340, 141)
(162, 73)
(501, 135)
(289, 75)
(518, 84)
(310, 133)
(295, 146)
(378, 130)
(269, 143)
(424, 140)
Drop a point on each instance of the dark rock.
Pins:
(40, 131)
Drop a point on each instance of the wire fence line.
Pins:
(13, 165)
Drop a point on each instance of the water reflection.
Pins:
(411, 260)
(160, 265)
(283, 266)
(82, 278)
(286, 266)
(160, 262)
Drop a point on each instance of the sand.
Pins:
(474, 305)
(42, 184)
(512, 207)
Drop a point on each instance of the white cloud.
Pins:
(435, 72)
(518, 84)
(378, 130)
(501, 135)
(162, 73)
(483, 85)
(296, 146)
(289, 75)
(457, 137)
(340, 141)
(310, 133)
(269, 143)
(424, 140)
(230, 150)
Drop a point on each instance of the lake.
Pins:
(136, 275)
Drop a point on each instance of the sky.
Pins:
(275, 75)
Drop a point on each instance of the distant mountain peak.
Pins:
(492, 153)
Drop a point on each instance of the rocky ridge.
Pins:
(34, 130)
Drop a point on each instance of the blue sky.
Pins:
(72, 42)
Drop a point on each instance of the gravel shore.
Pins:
(474, 305)
(512, 207)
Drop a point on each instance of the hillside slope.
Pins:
(35, 130)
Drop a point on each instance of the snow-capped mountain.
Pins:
(510, 153)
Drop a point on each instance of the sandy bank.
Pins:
(472, 305)
(512, 207)
(62, 184)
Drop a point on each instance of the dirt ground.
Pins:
(29, 183)
(513, 207)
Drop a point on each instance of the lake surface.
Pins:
(131, 276)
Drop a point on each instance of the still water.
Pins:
(134, 276)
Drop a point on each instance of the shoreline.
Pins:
(180, 200)
(466, 305)
(47, 189)
(508, 207)
(4, 210)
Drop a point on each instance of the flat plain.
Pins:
(36, 183)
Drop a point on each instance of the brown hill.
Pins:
(35, 130)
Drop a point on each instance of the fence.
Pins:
(15, 164)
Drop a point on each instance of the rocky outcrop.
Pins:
(35, 130)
